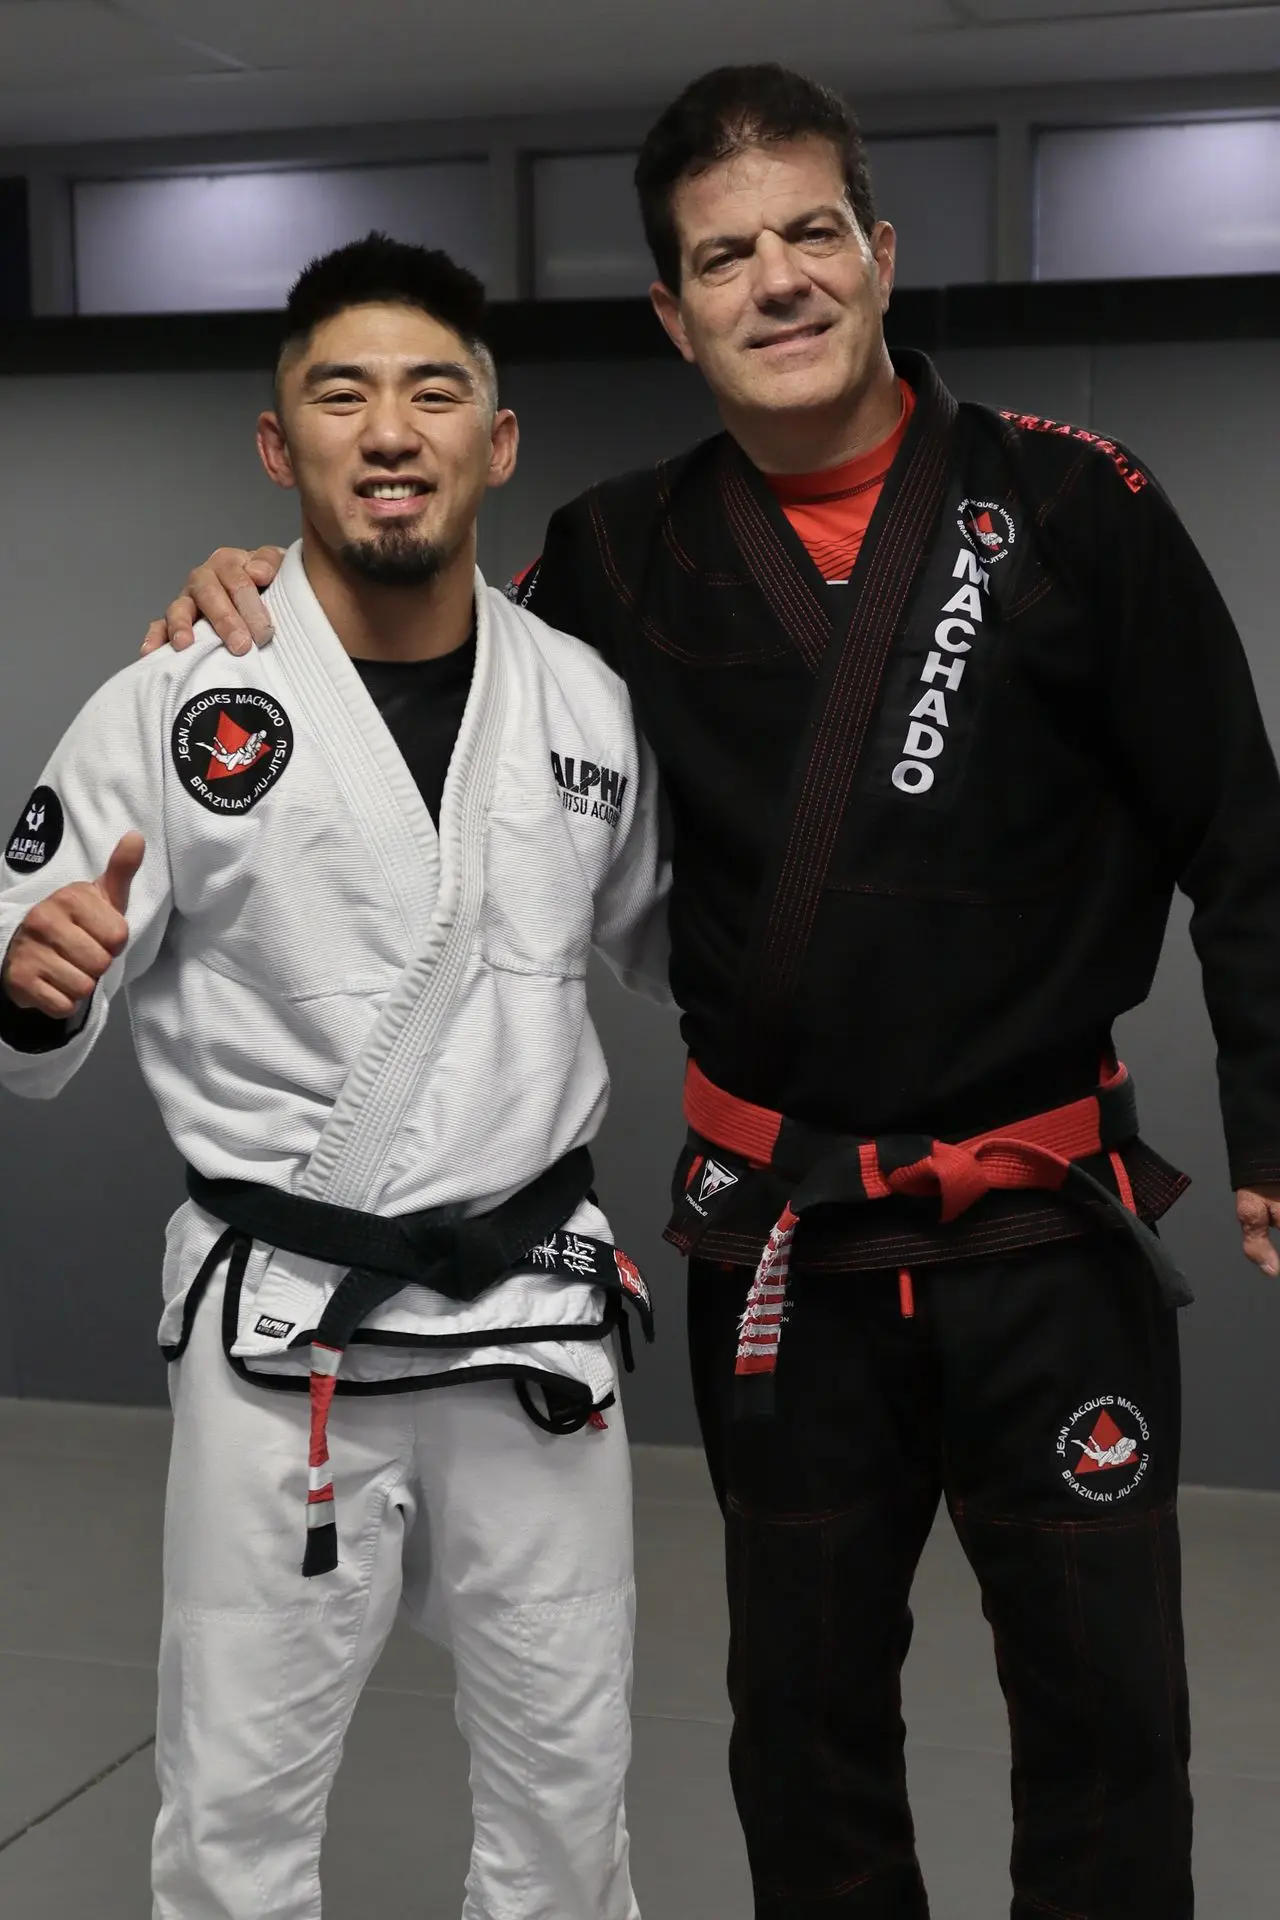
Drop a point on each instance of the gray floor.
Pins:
(80, 1501)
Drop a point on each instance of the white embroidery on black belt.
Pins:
(941, 675)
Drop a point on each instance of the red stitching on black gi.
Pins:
(777, 1890)
(1157, 1517)
(1032, 598)
(1044, 1906)
(1062, 489)
(662, 474)
(1098, 1798)
(1132, 1524)
(651, 631)
(842, 729)
(796, 607)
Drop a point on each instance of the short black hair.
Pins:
(729, 111)
(381, 271)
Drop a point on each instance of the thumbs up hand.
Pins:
(67, 942)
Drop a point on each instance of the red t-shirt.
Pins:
(832, 510)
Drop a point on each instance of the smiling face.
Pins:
(782, 295)
(386, 425)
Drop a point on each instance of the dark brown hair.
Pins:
(729, 111)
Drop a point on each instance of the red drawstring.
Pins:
(906, 1294)
(1123, 1182)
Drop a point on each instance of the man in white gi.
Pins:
(351, 886)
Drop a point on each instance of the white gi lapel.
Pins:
(365, 763)
(350, 1156)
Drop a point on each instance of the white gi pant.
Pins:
(510, 1546)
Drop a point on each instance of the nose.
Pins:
(390, 432)
(781, 277)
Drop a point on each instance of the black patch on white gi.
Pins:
(274, 1329)
(230, 745)
(1103, 1450)
(38, 834)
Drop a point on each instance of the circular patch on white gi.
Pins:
(38, 834)
(989, 528)
(230, 745)
(1104, 1449)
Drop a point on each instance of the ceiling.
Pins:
(107, 69)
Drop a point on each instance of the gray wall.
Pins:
(113, 486)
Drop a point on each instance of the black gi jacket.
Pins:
(927, 826)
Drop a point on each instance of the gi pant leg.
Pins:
(1006, 1366)
(524, 1569)
(1060, 1389)
(259, 1668)
(518, 1554)
(827, 1508)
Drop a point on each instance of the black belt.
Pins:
(439, 1247)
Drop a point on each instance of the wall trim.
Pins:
(1015, 314)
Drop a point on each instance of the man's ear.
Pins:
(503, 447)
(273, 449)
(667, 307)
(884, 251)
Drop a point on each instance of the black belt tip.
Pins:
(321, 1555)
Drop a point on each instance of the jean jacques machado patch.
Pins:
(230, 746)
(1103, 1449)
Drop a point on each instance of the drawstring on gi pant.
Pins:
(906, 1294)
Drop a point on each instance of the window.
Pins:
(1202, 197)
(939, 193)
(588, 240)
(195, 243)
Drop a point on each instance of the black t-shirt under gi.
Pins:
(422, 703)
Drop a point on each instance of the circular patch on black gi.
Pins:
(1105, 1450)
(989, 528)
(230, 746)
(38, 834)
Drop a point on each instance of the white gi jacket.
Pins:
(328, 996)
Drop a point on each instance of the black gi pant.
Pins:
(1039, 1394)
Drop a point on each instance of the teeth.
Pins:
(392, 490)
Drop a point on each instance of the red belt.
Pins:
(1040, 1152)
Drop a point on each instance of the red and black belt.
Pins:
(1041, 1152)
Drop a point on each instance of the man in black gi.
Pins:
(934, 773)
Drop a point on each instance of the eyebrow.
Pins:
(326, 370)
(830, 209)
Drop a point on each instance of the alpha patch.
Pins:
(989, 528)
(230, 745)
(274, 1329)
(1104, 1448)
(588, 788)
(38, 834)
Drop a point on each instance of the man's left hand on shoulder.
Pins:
(1258, 1210)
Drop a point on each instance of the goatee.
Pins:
(396, 558)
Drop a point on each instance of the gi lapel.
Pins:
(365, 764)
(348, 1162)
(880, 590)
